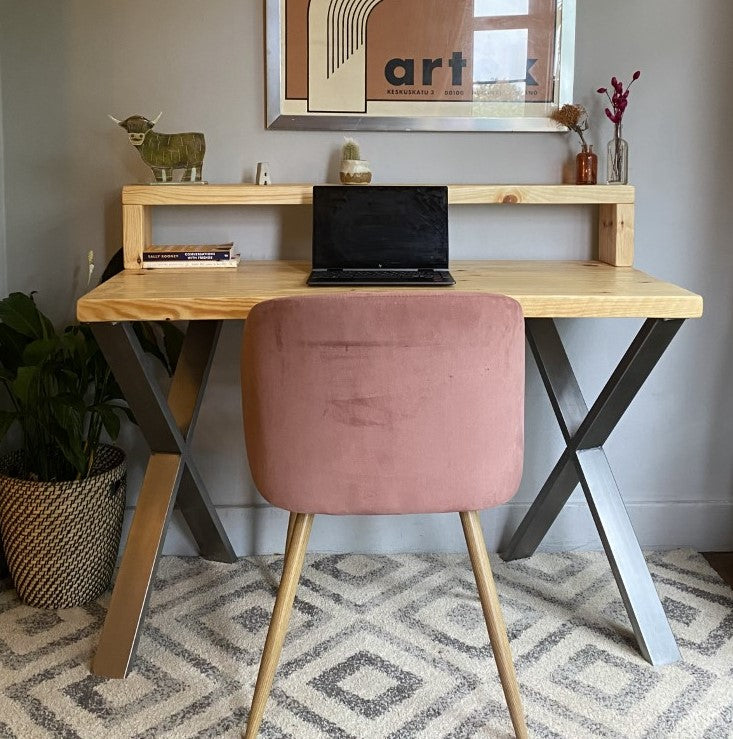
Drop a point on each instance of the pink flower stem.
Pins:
(616, 162)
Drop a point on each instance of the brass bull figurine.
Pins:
(164, 152)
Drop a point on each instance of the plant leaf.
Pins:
(127, 411)
(74, 454)
(68, 412)
(25, 385)
(40, 350)
(172, 342)
(20, 312)
(12, 344)
(68, 430)
(148, 342)
(7, 419)
(73, 341)
(110, 420)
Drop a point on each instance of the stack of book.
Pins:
(190, 255)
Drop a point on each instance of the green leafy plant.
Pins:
(62, 393)
(350, 150)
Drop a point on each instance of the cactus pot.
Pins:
(355, 172)
(61, 538)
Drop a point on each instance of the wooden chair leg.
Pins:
(279, 622)
(494, 619)
(289, 535)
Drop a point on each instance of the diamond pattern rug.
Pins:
(379, 646)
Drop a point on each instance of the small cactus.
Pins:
(350, 150)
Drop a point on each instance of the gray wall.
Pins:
(65, 65)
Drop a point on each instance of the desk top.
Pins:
(549, 289)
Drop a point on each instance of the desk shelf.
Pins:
(303, 194)
(615, 208)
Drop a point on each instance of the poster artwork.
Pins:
(418, 57)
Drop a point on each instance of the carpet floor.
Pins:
(380, 646)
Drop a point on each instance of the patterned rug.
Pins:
(379, 646)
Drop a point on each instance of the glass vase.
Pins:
(586, 166)
(617, 159)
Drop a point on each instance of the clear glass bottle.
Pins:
(617, 159)
(586, 166)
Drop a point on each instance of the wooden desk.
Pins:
(546, 290)
(608, 287)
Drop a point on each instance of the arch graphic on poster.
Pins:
(337, 35)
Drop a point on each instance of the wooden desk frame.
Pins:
(168, 423)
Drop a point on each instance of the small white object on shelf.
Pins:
(263, 173)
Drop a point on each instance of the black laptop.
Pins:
(380, 235)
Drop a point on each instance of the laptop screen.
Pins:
(372, 226)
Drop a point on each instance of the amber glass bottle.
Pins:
(586, 166)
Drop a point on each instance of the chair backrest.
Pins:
(385, 402)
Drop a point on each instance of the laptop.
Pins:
(380, 235)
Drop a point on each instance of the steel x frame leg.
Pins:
(171, 477)
(584, 462)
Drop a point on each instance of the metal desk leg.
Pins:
(167, 424)
(585, 462)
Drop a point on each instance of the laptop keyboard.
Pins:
(386, 275)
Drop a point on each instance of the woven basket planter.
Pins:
(61, 538)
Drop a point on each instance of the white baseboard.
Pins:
(261, 530)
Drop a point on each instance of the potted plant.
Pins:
(354, 171)
(62, 492)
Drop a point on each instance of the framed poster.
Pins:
(428, 65)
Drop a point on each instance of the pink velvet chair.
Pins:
(385, 402)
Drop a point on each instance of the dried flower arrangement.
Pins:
(574, 117)
(617, 148)
(620, 98)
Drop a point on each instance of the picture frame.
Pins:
(418, 65)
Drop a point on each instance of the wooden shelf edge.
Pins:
(458, 194)
(217, 194)
(541, 194)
